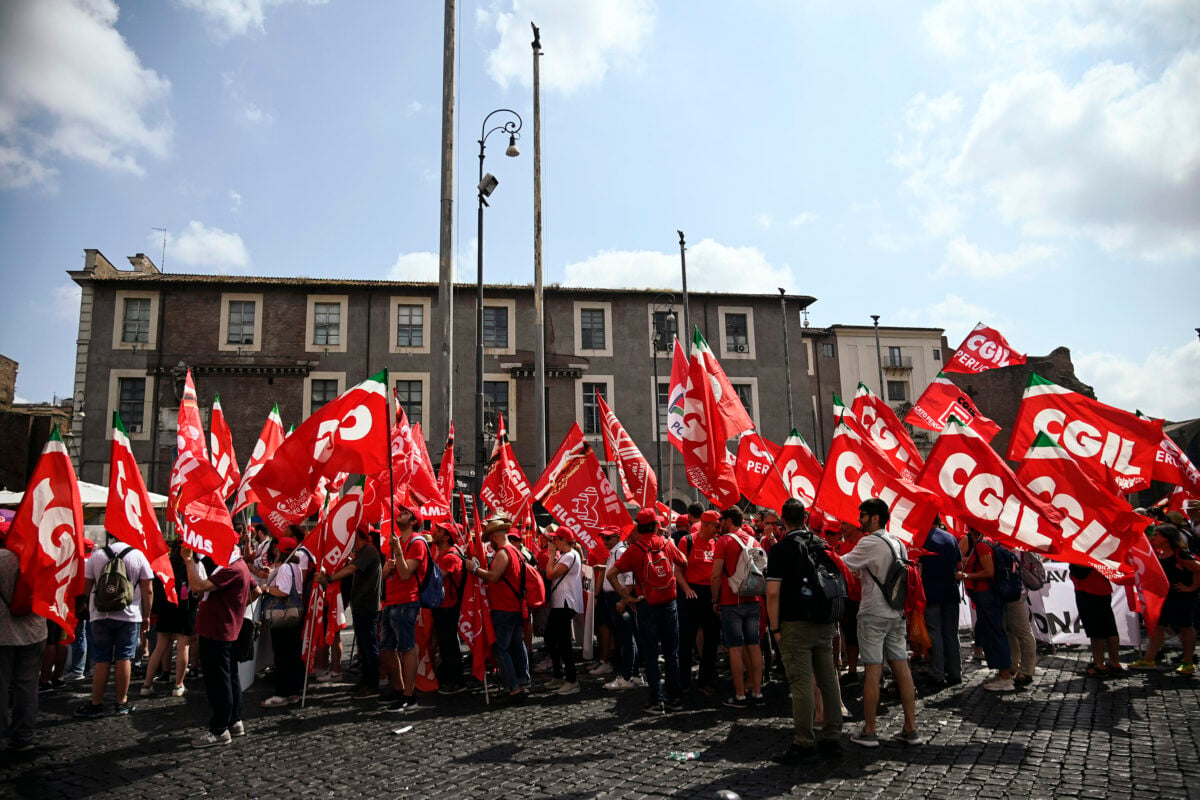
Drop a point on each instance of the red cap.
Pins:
(611, 530)
(683, 521)
(564, 533)
(88, 545)
(646, 517)
(710, 516)
(286, 544)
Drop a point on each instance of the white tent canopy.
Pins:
(92, 495)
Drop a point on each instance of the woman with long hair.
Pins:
(565, 577)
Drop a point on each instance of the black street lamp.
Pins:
(666, 328)
(487, 185)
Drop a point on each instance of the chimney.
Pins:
(143, 265)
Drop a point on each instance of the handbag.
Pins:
(285, 612)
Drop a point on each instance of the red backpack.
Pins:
(658, 575)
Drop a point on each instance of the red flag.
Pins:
(800, 469)
(1171, 465)
(1114, 448)
(424, 485)
(983, 349)
(446, 470)
(638, 480)
(857, 471)
(943, 398)
(425, 679)
(576, 492)
(705, 458)
(475, 620)
(733, 415)
(884, 429)
(188, 478)
(980, 490)
(129, 514)
(1151, 582)
(222, 450)
(758, 477)
(505, 487)
(348, 434)
(46, 535)
(1097, 528)
(334, 536)
(675, 394)
(268, 442)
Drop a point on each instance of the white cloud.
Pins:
(581, 39)
(1165, 384)
(21, 401)
(200, 245)
(420, 266)
(235, 200)
(954, 314)
(256, 116)
(414, 107)
(72, 88)
(712, 267)
(229, 18)
(764, 221)
(64, 302)
(803, 218)
(964, 257)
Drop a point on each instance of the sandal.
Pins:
(1116, 669)
(1097, 672)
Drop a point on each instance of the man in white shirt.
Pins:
(881, 628)
(115, 634)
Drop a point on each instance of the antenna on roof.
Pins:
(162, 266)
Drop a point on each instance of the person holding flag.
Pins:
(408, 560)
(1183, 575)
(504, 576)
(367, 568)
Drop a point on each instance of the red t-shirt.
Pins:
(451, 564)
(726, 547)
(405, 590)
(634, 558)
(1094, 583)
(221, 611)
(502, 595)
(699, 559)
(973, 562)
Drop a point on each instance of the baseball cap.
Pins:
(710, 516)
(286, 544)
(646, 517)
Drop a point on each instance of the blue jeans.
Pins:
(660, 625)
(77, 655)
(114, 640)
(509, 649)
(989, 629)
(945, 660)
(625, 648)
(366, 632)
(400, 626)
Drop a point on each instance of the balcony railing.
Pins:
(897, 362)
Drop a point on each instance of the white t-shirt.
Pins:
(625, 578)
(137, 568)
(285, 576)
(567, 589)
(873, 555)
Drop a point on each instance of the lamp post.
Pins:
(487, 185)
(787, 360)
(663, 336)
(878, 357)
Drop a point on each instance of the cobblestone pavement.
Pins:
(1067, 736)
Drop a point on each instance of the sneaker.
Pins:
(274, 701)
(757, 700)
(147, 691)
(999, 685)
(568, 688)
(179, 691)
(674, 705)
(403, 703)
(210, 739)
(553, 683)
(603, 668)
(454, 688)
(864, 739)
(89, 711)
(736, 702)
(1024, 680)
(1186, 668)
(124, 708)
(162, 677)
(909, 738)
(237, 729)
(638, 681)
(619, 683)
(365, 693)
(655, 708)
(1142, 663)
(71, 677)
(830, 748)
(324, 677)
(798, 756)
(45, 687)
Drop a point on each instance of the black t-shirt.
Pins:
(784, 565)
(364, 594)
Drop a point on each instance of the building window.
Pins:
(937, 354)
(737, 336)
(327, 324)
(663, 395)
(826, 349)
(240, 326)
(592, 422)
(410, 326)
(495, 327)
(745, 393)
(495, 402)
(409, 396)
(136, 327)
(592, 329)
(894, 358)
(321, 392)
(897, 392)
(131, 403)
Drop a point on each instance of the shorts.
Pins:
(113, 640)
(881, 638)
(849, 625)
(739, 624)
(1096, 614)
(54, 633)
(1177, 611)
(400, 627)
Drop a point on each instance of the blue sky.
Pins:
(1032, 165)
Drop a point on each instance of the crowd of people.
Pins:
(775, 595)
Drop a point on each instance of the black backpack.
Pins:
(823, 594)
(894, 585)
(1006, 577)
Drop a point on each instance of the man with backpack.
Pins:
(981, 576)
(450, 559)
(698, 614)
(881, 561)
(407, 562)
(738, 581)
(652, 560)
(120, 586)
(806, 598)
(939, 570)
(508, 581)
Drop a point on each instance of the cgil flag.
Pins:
(1171, 465)
(268, 442)
(129, 515)
(638, 480)
(505, 487)
(983, 349)
(194, 495)
(675, 392)
(705, 459)
(943, 398)
(885, 431)
(221, 450)
(734, 418)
